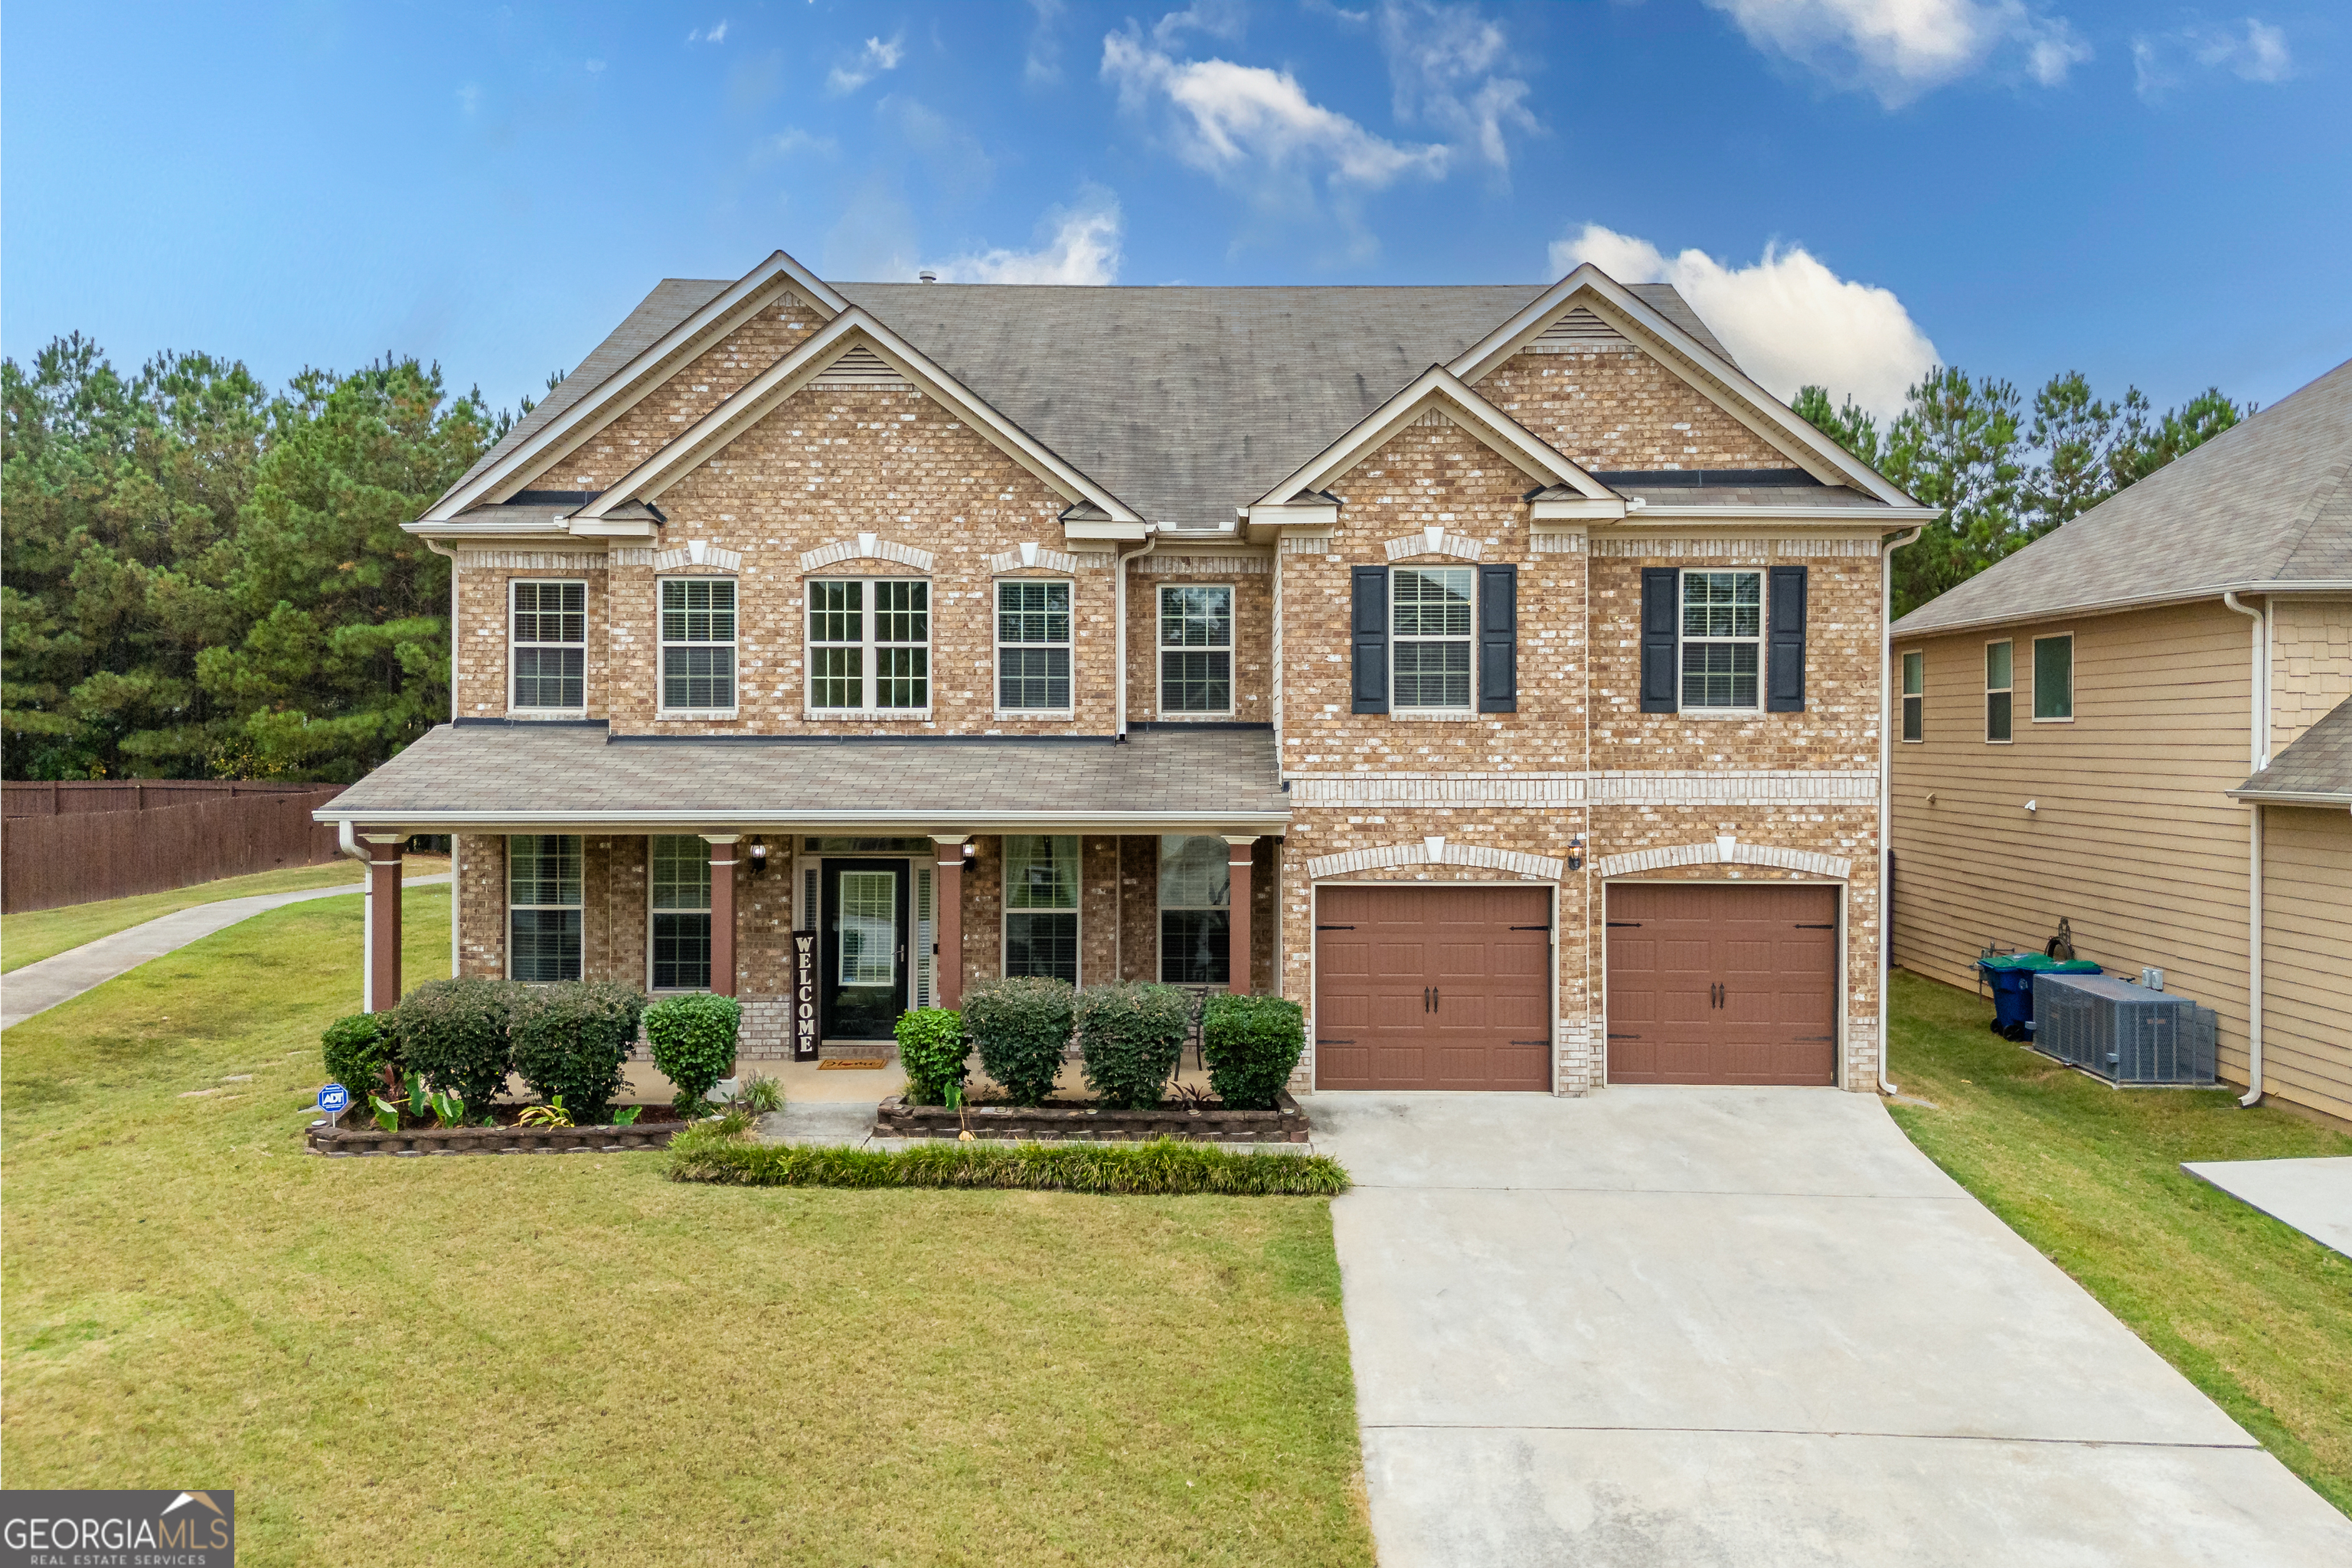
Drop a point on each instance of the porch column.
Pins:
(947, 969)
(1237, 915)
(384, 920)
(723, 911)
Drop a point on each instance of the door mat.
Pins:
(842, 1065)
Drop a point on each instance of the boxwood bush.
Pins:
(454, 1033)
(1251, 1045)
(932, 1050)
(573, 1039)
(358, 1050)
(1129, 1036)
(1022, 1027)
(693, 1041)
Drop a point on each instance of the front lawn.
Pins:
(496, 1359)
(2254, 1312)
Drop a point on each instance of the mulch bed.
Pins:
(1201, 1121)
(654, 1126)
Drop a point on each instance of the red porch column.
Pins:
(723, 911)
(384, 920)
(1237, 916)
(947, 966)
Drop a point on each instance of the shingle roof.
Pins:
(1183, 401)
(2267, 502)
(535, 774)
(1749, 495)
(2319, 762)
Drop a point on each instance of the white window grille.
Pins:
(544, 906)
(1431, 636)
(1722, 639)
(1196, 650)
(547, 634)
(869, 644)
(1032, 644)
(698, 637)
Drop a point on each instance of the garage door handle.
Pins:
(1531, 928)
(1322, 1041)
(1624, 1037)
(1827, 925)
(1817, 1036)
(1613, 925)
(1335, 928)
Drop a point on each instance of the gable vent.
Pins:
(1579, 331)
(861, 366)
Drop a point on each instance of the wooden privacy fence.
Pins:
(114, 848)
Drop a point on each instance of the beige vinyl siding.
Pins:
(2307, 956)
(2134, 840)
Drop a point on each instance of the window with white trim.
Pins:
(1032, 644)
(1722, 639)
(1196, 648)
(1195, 910)
(547, 634)
(869, 644)
(543, 907)
(1041, 905)
(1429, 635)
(1914, 694)
(1999, 687)
(2054, 677)
(697, 644)
(680, 934)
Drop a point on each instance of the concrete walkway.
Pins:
(1752, 1327)
(38, 988)
(2313, 1195)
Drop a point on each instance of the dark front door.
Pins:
(1433, 987)
(863, 977)
(1710, 983)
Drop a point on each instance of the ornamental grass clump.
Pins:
(1129, 1038)
(455, 1032)
(932, 1050)
(358, 1050)
(1022, 1027)
(693, 1042)
(709, 1153)
(572, 1043)
(1251, 1045)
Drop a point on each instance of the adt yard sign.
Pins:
(335, 1100)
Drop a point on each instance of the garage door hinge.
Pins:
(1335, 928)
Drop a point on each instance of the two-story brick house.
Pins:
(1494, 669)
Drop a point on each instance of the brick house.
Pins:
(1494, 670)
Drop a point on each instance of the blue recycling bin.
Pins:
(2011, 975)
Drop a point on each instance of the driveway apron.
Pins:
(1696, 1326)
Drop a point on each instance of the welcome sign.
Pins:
(805, 1030)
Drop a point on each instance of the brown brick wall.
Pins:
(1253, 659)
(482, 905)
(1622, 410)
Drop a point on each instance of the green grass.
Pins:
(1165, 1167)
(44, 933)
(2253, 1311)
(489, 1360)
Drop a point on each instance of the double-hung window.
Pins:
(869, 645)
(1196, 650)
(544, 906)
(1032, 644)
(1430, 614)
(1722, 639)
(2053, 677)
(1195, 910)
(1999, 687)
(548, 635)
(681, 914)
(697, 644)
(1914, 694)
(1041, 905)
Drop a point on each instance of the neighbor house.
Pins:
(1494, 670)
(2079, 723)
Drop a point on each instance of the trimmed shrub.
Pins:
(1022, 1028)
(1129, 1036)
(358, 1050)
(932, 1050)
(1164, 1167)
(573, 1039)
(693, 1041)
(454, 1033)
(1251, 1045)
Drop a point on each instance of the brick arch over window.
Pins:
(866, 547)
(1725, 851)
(1434, 851)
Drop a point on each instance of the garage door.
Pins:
(1433, 987)
(1716, 984)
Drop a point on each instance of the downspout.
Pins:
(346, 841)
(1118, 591)
(1887, 788)
(2260, 731)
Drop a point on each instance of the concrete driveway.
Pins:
(1684, 1326)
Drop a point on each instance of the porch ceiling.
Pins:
(540, 777)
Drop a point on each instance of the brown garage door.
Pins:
(1433, 987)
(1717, 985)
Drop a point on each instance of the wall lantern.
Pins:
(759, 855)
(970, 849)
(1576, 853)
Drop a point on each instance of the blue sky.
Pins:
(1847, 188)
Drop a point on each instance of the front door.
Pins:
(863, 977)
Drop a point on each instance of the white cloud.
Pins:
(1044, 65)
(1225, 19)
(1900, 49)
(792, 139)
(1788, 320)
(871, 61)
(1082, 248)
(717, 35)
(2161, 61)
(1442, 61)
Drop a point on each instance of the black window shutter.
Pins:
(1498, 639)
(1661, 646)
(1786, 691)
(1369, 637)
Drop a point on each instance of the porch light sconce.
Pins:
(970, 849)
(759, 855)
(1576, 853)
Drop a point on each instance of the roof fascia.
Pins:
(1749, 403)
(752, 402)
(475, 537)
(628, 385)
(927, 820)
(1870, 518)
(2340, 799)
(2121, 607)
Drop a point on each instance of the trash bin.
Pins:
(2011, 975)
